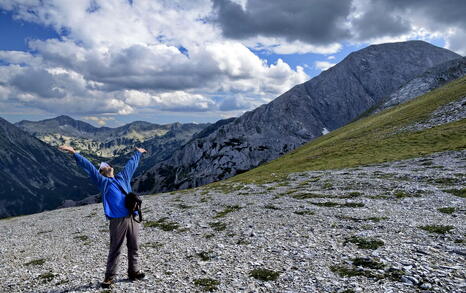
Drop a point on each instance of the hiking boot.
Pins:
(136, 276)
(107, 283)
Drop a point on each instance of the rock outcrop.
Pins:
(431, 79)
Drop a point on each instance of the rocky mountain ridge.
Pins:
(332, 99)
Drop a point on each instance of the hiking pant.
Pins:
(121, 228)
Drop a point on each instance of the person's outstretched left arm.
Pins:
(130, 167)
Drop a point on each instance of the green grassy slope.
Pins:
(373, 139)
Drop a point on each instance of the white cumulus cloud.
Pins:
(121, 58)
(323, 65)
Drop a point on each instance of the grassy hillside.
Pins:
(373, 139)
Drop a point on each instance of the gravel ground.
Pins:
(348, 230)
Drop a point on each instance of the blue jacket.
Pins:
(112, 197)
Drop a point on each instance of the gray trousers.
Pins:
(121, 228)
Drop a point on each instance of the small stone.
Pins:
(426, 286)
(413, 280)
(407, 281)
(407, 268)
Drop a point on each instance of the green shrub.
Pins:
(304, 212)
(331, 204)
(448, 210)
(439, 229)
(365, 243)
(36, 262)
(218, 226)
(81, 237)
(457, 192)
(46, 277)
(207, 284)
(264, 274)
(227, 210)
(271, 207)
(367, 263)
(162, 224)
(204, 255)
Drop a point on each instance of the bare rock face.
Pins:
(431, 79)
(34, 175)
(334, 98)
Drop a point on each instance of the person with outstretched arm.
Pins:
(122, 225)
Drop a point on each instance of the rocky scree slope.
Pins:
(390, 227)
(332, 99)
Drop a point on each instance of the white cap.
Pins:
(103, 165)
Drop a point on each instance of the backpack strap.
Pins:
(138, 205)
(120, 187)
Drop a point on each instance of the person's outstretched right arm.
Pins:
(84, 163)
(130, 167)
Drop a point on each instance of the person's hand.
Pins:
(67, 148)
(141, 150)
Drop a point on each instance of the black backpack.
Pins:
(133, 203)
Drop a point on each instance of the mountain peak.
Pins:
(63, 118)
(3, 121)
(397, 51)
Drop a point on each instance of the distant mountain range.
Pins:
(101, 141)
(339, 95)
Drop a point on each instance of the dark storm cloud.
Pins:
(320, 21)
(393, 17)
(446, 12)
(316, 21)
(379, 20)
(38, 82)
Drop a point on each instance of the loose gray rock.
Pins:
(65, 250)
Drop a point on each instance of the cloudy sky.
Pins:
(109, 62)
